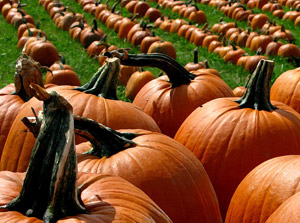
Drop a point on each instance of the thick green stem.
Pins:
(49, 190)
(106, 141)
(177, 74)
(257, 95)
(104, 81)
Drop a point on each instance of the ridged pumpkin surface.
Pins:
(165, 170)
(106, 198)
(230, 141)
(288, 212)
(169, 106)
(264, 189)
(9, 109)
(286, 89)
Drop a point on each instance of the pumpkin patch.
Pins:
(166, 111)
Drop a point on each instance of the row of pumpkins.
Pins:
(230, 136)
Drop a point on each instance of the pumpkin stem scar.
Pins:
(49, 190)
(106, 141)
(177, 74)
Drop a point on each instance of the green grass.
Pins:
(84, 66)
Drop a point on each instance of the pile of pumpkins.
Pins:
(196, 152)
(185, 150)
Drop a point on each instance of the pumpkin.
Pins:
(195, 65)
(264, 189)
(96, 100)
(161, 167)
(61, 74)
(289, 50)
(90, 34)
(42, 51)
(50, 191)
(287, 212)
(152, 14)
(286, 88)
(11, 101)
(141, 8)
(136, 81)
(165, 47)
(231, 136)
(147, 41)
(165, 97)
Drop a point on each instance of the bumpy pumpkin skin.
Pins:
(264, 189)
(108, 199)
(169, 106)
(165, 170)
(230, 141)
(286, 89)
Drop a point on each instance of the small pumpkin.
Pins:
(164, 47)
(136, 81)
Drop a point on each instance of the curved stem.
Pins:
(177, 74)
(104, 81)
(257, 95)
(49, 190)
(106, 141)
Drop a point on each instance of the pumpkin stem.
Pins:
(49, 190)
(106, 141)
(27, 72)
(196, 56)
(257, 95)
(177, 74)
(104, 81)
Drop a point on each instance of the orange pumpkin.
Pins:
(161, 167)
(264, 189)
(136, 81)
(231, 136)
(170, 98)
(286, 88)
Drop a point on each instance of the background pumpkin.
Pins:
(170, 98)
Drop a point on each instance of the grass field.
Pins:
(76, 56)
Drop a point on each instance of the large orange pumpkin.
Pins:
(96, 100)
(164, 169)
(264, 189)
(170, 98)
(50, 191)
(231, 136)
